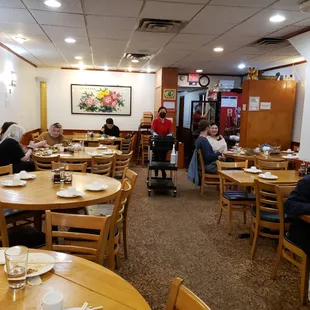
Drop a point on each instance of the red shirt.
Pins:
(162, 128)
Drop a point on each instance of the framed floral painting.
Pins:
(97, 99)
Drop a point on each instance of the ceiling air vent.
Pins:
(161, 25)
(137, 56)
(270, 42)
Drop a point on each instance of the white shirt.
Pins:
(216, 145)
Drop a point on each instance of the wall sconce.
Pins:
(13, 79)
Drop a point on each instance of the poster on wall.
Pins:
(169, 94)
(100, 99)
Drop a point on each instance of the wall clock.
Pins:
(204, 81)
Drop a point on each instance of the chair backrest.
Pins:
(70, 167)
(102, 164)
(271, 165)
(106, 141)
(131, 177)
(120, 163)
(145, 140)
(95, 244)
(6, 169)
(282, 193)
(126, 145)
(44, 163)
(35, 135)
(113, 147)
(181, 298)
(201, 160)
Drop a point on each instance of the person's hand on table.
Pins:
(35, 145)
(222, 149)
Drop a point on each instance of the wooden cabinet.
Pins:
(272, 126)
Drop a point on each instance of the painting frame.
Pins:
(119, 98)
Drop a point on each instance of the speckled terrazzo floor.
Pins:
(171, 237)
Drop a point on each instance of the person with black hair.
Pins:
(210, 157)
(5, 127)
(110, 129)
(216, 140)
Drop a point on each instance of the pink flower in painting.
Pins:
(89, 101)
(107, 100)
(115, 95)
(114, 103)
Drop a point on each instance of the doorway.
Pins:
(181, 120)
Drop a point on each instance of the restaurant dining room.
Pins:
(154, 154)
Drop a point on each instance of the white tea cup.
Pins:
(289, 150)
(96, 185)
(16, 180)
(268, 174)
(253, 168)
(23, 174)
(72, 191)
(52, 301)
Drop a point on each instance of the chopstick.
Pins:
(96, 308)
(85, 306)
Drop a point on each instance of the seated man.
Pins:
(110, 129)
(53, 135)
(297, 204)
(209, 156)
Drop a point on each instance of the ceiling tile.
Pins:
(188, 1)
(244, 3)
(59, 19)
(231, 15)
(287, 5)
(59, 32)
(106, 33)
(144, 47)
(67, 6)
(32, 38)
(303, 23)
(8, 15)
(166, 10)
(193, 38)
(101, 43)
(285, 51)
(19, 28)
(207, 27)
(183, 46)
(125, 8)
(140, 36)
(11, 4)
(284, 31)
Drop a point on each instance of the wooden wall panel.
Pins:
(268, 126)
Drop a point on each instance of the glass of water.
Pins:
(16, 259)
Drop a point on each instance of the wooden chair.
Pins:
(35, 136)
(44, 163)
(233, 200)
(70, 167)
(143, 148)
(92, 143)
(117, 212)
(126, 145)
(181, 298)
(206, 178)
(90, 246)
(102, 164)
(121, 162)
(266, 215)
(4, 170)
(271, 165)
(113, 147)
(289, 250)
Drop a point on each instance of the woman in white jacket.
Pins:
(216, 140)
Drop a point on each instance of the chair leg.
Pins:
(229, 209)
(220, 213)
(278, 259)
(254, 244)
(202, 187)
(244, 216)
(37, 223)
(251, 231)
(117, 261)
(304, 285)
(125, 238)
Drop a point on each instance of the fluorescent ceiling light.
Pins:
(199, 70)
(52, 3)
(70, 40)
(20, 38)
(135, 60)
(218, 49)
(81, 66)
(129, 69)
(277, 18)
(106, 68)
(148, 70)
(78, 57)
(241, 66)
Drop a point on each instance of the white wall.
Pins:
(300, 72)
(59, 96)
(22, 105)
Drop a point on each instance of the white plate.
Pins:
(66, 194)
(27, 176)
(290, 157)
(103, 147)
(253, 171)
(94, 153)
(64, 155)
(272, 177)
(102, 187)
(10, 183)
(41, 268)
(288, 152)
(108, 153)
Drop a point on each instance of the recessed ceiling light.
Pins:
(70, 40)
(148, 70)
(20, 38)
(298, 59)
(129, 69)
(78, 57)
(135, 60)
(199, 70)
(106, 68)
(81, 66)
(241, 66)
(277, 18)
(52, 3)
(218, 49)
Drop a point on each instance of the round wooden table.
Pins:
(80, 156)
(78, 281)
(40, 193)
(251, 158)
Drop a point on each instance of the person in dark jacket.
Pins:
(210, 157)
(110, 129)
(297, 204)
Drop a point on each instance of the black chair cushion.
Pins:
(12, 212)
(267, 216)
(238, 195)
(27, 236)
(288, 239)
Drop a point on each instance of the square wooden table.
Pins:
(246, 179)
